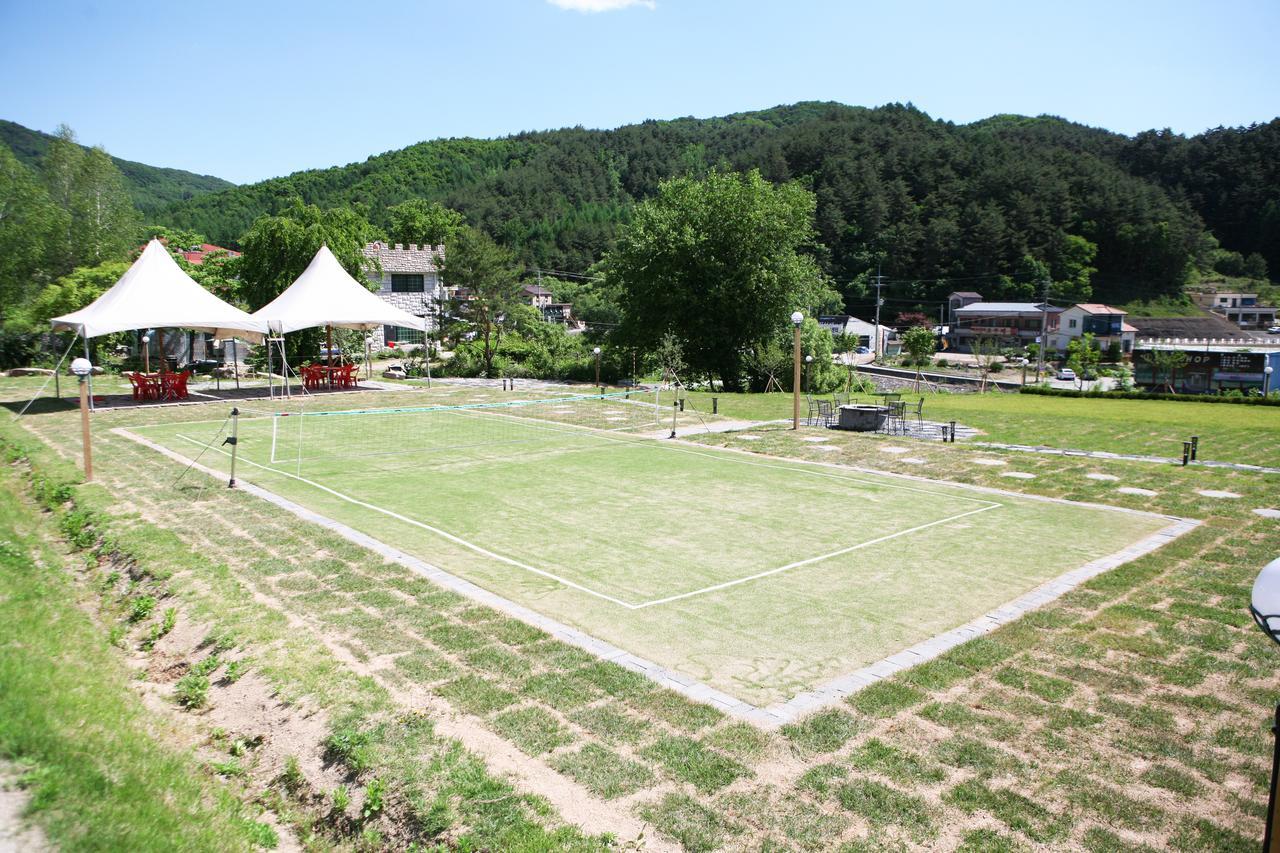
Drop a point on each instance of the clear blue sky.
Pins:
(251, 90)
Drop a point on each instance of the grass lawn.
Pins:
(762, 578)
(1132, 713)
(1228, 433)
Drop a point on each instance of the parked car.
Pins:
(1066, 374)
(204, 365)
(864, 350)
(1274, 330)
(324, 354)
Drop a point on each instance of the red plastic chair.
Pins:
(178, 385)
(137, 380)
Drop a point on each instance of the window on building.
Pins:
(401, 335)
(1072, 323)
(405, 283)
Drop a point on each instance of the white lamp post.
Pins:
(81, 367)
(1265, 606)
(146, 353)
(797, 320)
(808, 372)
(597, 354)
(1266, 379)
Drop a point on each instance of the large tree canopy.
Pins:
(278, 248)
(719, 263)
(490, 279)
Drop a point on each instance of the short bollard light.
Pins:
(1265, 607)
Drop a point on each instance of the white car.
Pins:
(1066, 374)
(1274, 330)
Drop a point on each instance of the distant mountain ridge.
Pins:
(151, 188)
(1004, 198)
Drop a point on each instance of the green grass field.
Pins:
(761, 577)
(1228, 433)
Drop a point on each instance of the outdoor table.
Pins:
(861, 417)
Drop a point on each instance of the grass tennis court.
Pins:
(757, 576)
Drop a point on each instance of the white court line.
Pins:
(573, 584)
(398, 517)
(797, 564)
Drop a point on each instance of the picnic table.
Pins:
(323, 376)
(160, 386)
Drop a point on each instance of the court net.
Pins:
(302, 436)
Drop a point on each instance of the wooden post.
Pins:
(84, 429)
(164, 362)
(795, 383)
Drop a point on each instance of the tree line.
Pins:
(1009, 199)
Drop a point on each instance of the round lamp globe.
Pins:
(1265, 601)
(81, 367)
(797, 318)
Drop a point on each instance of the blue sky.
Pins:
(247, 91)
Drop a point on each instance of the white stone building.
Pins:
(410, 279)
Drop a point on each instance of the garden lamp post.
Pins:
(808, 372)
(146, 353)
(596, 351)
(1266, 379)
(81, 367)
(797, 320)
(1265, 607)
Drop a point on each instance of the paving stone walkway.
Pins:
(1103, 454)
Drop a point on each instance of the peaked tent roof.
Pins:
(155, 293)
(326, 295)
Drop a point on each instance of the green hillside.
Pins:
(1001, 199)
(150, 187)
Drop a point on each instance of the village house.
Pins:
(1105, 323)
(1242, 309)
(410, 279)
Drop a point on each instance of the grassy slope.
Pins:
(98, 779)
(1132, 711)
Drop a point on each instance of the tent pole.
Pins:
(328, 331)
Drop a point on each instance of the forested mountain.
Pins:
(150, 187)
(997, 205)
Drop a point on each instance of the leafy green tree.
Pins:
(278, 248)
(919, 343)
(491, 279)
(100, 222)
(822, 375)
(1083, 357)
(29, 223)
(71, 292)
(1165, 363)
(718, 263)
(420, 222)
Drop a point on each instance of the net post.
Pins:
(1186, 452)
(1195, 447)
(234, 441)
(675, 408)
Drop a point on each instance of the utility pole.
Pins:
(1044, 329)
(879, 302)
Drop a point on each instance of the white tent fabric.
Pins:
(326, 295)
(156, 294)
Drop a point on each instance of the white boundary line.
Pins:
(573, 584)
(779, 713)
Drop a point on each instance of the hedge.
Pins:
(1044, 391)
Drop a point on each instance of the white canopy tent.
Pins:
(326, 295)
(155, 293)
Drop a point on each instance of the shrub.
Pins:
(1047, 391)
(192, 690)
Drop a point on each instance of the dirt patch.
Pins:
(16, 832)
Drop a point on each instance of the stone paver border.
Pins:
(779, 713)
(1128, 457)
